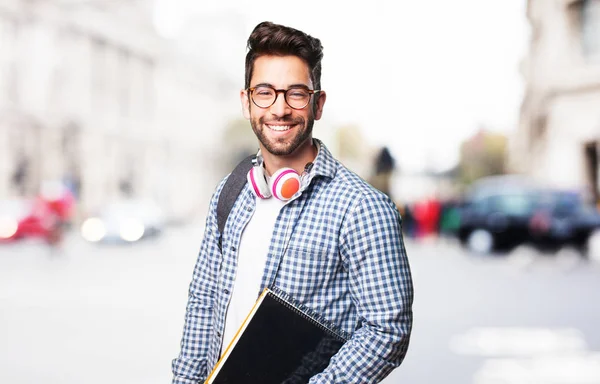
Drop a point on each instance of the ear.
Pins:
(245, 103)
(322, 96)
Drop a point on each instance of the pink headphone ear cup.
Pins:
(284, 183)
(258, 183)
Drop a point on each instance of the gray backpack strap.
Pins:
(230, 191)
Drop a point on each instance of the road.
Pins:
(114, 314)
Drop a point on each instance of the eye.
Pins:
(262, 91)
(297, 93)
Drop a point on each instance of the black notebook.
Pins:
(279, 342)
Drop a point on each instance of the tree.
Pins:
(484, 154)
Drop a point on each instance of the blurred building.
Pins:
(558, 140)
(90, 94)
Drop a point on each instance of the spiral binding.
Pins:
(308, 313)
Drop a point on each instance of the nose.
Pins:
(280, 107)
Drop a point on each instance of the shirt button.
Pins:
(233, 248)
(218, 334)
(249, 209)
(226, 291)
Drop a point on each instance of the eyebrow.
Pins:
(298, 85)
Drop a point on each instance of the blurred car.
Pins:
(501, 212)
(563, 218)
(125, 221)
(26, 218)
(496, 218)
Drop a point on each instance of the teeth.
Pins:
(279, 127)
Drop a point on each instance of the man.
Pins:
(334, 245)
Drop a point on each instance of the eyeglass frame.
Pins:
(311, 92)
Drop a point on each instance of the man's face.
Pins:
(281, 129)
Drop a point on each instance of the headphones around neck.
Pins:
(283, 184)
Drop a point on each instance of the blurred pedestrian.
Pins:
(427, 214)
(408, 221)
(58, 202)
(449, 219)
(20, 175)
(327, 238)
(382, 172)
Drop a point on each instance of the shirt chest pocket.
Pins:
(304, 271)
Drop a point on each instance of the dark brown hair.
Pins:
(272, 39)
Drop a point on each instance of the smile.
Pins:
(279, 128)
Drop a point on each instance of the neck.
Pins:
(303, 155)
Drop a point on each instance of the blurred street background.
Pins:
(479, 118)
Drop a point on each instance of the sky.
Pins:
(417, 76)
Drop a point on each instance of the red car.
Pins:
(27, 218)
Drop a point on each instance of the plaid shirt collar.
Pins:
(324, 164)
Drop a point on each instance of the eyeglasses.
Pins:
(264, 96)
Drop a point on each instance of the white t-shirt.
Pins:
(252, 257)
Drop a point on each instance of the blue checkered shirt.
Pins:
(337, 248)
